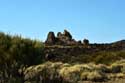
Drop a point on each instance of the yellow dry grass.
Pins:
(77, 72)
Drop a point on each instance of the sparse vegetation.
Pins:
(23, 60)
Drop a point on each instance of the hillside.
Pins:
(66, 49)
(20, 55)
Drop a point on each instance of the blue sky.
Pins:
(97, 20)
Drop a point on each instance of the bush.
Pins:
(96, 76)
(118, 66)
(15, 52)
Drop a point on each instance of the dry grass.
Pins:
(77, 72)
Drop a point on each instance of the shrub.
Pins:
(73, 72)
(70, 74)
(120, 75)
(44, 71)
(96, 76)
(118, 66)
(103, 68)
(84, 75)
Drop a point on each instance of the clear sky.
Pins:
(97, 20)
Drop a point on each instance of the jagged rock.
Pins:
(67, 34)
(51, 39)
(65, 38)
(59, 34)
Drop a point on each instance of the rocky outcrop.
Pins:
(64, 38)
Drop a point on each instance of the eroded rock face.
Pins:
(51, 39)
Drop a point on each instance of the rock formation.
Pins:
(67, 35)
(64, 38)
(51, 39)
(86, 42)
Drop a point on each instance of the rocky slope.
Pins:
(64, 48)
